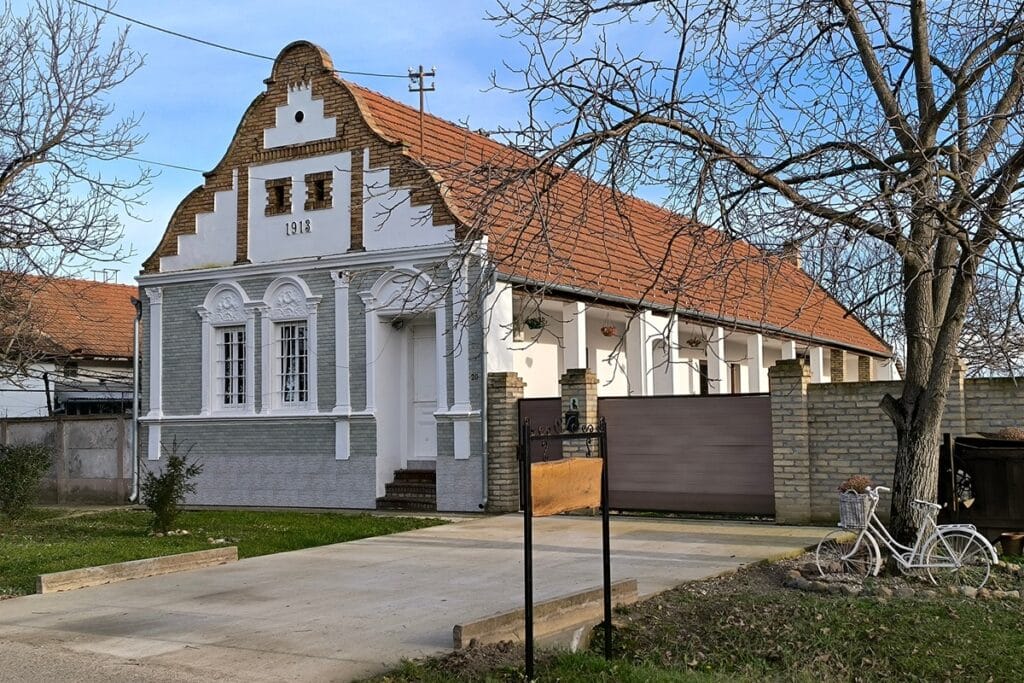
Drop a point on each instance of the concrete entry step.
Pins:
(411, 489)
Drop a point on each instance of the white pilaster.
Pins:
(207, 364)
(440, 339)
(370, 361)
(156, 356)
(266, 351)
(718, 369)
(461, 438)
(498, 319)
(342, 396)
(460, 340)
(574, 335)
(153, 447)
(757, 381)
(821, 368)
(789, 350)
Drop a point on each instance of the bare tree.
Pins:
(59, 210)
(889, 130)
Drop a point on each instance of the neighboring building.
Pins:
(77, 346)
(324, 310)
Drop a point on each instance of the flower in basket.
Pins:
(856, 484)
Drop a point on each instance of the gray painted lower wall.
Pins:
(273, 464)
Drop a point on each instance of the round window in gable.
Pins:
(299, 116)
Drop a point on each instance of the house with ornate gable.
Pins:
(321, 315)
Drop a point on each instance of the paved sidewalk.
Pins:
(352, 609)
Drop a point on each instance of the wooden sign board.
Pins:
(563, 485)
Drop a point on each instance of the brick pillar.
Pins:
(837, 365)
(579, 385)
(864, 369)
(788, 381)
(504, 389)
(954, 419)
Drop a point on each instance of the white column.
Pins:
(639, 354)
(498, 328)
(821, 368)
(342, 397)
(884, 369)
(692, 372)
(156, 352)
(440, 340)
(757, 381)
(789, 350)
(574, 335)
(718, 369)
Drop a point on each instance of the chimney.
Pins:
(791, 252)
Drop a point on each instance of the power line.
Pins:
(219, 46)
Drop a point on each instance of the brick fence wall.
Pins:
(823, 433)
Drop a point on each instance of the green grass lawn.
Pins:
(748, 628)
(51, 539)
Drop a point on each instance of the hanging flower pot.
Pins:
(535, 323)
(610, 331)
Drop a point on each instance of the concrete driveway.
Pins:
(352, 609)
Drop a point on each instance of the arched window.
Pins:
(228, 350)
(289, 347)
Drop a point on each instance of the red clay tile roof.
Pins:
(584, 237)
(79, 318)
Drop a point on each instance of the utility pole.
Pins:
(418, 85)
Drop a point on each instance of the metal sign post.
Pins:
(526, 438)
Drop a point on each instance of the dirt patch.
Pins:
(748, 626)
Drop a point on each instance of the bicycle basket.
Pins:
(854, 509)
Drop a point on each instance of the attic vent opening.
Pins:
(299, 116)
(279, 196)
(319, 190)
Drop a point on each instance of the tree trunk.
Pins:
(917, 470)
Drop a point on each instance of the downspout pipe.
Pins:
(134, 496)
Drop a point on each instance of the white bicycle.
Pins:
(949, 554)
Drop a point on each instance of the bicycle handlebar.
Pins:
(880, 489)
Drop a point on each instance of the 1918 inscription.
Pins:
(297, 227)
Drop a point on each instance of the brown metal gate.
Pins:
(690, 453)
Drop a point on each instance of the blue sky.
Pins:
(191, 97)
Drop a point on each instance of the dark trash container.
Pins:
(981, 482)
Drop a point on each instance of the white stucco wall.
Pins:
(329, 230)
(538, 361)
(389, 218)
(288, 130)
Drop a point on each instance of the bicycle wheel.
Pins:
(957, 558)
(844, 552)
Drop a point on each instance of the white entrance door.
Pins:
(424, 393)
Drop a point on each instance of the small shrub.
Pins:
(857, 484)
(21, 470)
(162, 493)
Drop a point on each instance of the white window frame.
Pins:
(279, 355)
(230, 375)
(287, 300)
(226, 306)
